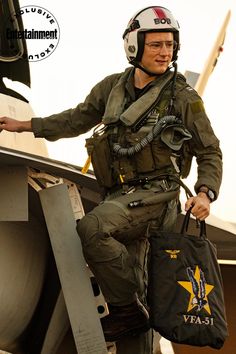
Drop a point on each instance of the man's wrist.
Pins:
(208, 192)
(204, 195)
(25, 126)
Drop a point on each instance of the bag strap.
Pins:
(184, 228)
(182, 184)
(176, 179)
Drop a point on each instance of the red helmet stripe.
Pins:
(159, 12)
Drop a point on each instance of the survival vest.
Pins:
(132, 127)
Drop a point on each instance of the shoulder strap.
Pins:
(140, 108)
(116, 100)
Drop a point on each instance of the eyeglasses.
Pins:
(156, 47)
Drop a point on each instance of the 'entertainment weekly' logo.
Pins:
(41, 31)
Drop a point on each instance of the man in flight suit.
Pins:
(149, 125)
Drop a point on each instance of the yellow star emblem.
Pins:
(193, 301)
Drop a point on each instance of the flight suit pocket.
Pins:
(205, 132)
(161, 155)
(143, 159)
(99, 150)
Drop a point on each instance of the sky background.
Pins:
(91, 47)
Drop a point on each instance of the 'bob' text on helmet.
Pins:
(149, 19)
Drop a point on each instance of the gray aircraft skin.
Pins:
(46, 299)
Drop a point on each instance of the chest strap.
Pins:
(138, 109)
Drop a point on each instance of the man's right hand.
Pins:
(13, 125)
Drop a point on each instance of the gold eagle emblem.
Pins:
(172, 253)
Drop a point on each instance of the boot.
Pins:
(128, 320)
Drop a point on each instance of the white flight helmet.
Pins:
(149, 19)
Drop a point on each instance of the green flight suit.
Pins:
(114, 236)
(204, 144)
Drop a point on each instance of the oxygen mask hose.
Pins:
(162, 122)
